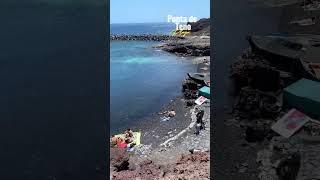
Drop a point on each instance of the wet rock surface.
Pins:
(190, 46)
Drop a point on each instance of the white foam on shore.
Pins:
(191, 125)
(145, 60)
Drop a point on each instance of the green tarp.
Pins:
(305, 96)
(205, 91)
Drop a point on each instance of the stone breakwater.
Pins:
(144, 37)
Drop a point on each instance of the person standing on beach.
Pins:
(199, 122)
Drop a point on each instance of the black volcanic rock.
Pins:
(143, 37)
(190, 46)
(201, 27)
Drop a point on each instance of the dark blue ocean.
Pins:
(142, 79)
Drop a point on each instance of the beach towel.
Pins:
(200, 100)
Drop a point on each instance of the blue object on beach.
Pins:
(303, 95)
(205, 91)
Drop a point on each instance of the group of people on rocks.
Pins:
(125, 142)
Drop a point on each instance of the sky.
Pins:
(144, 11)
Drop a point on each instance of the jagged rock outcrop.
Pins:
(190, 46)
(143, 37)
(201, 27)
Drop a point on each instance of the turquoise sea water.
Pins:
(142, 80)
(142, 28)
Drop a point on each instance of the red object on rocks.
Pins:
(122, 145)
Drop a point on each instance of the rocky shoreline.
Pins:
(189, 46)
(164, 152)
(181, 46)
(143, 37)
(166, 143)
